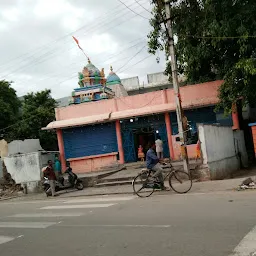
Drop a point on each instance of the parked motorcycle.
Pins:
(61, 184)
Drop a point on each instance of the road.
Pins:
(188, 225)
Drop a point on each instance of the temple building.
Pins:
(102, 124)
(92, 86)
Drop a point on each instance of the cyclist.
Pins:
(153, 164)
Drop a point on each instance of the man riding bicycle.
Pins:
(153, 164)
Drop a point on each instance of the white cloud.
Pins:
(10, 14)
(70, 16)
(96, 44)
(37, 53)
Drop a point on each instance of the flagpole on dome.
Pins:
(77, 42)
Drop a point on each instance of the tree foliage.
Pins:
(9, 105)
(37, 112)
(215, 40)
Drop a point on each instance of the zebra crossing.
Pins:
(56, 211)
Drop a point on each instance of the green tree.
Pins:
(215, 40)
(37, 111)
(9, 105)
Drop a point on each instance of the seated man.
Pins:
(153, 164)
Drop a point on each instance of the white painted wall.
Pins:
(203, 144)
(219, 149)
(219, 142)
(240, 146)
(24, 167)
(130, 83)
(27, 168)
(157, 77)
(24, 146)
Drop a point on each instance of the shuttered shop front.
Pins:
(90, 140)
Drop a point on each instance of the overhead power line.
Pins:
(106, 58)
(132, 10)
(136, 63)
(104, 21)
(132, 58)
(58, 39)
(142, 6)
(220, 37)
(40, 60)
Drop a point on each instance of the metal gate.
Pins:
(154, 122)
(128, 146)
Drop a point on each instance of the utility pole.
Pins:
(179, 112)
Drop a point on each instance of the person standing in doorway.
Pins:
(57, 167)
(159, 148)
(198, 150)
(50, 174)
(141, 154)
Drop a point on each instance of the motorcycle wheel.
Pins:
(47, 191)
(79, 186)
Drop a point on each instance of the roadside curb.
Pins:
(100, 194)
(8, 198)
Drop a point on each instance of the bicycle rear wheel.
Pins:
(142, 186)
(180, 182)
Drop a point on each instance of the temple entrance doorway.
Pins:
(143, 137)
(140, 131)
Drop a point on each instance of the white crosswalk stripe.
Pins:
(6, 239)
(46, 215)
(100, 199)
(77, 206)
(15, 224)
(54, 211)
(247, 247)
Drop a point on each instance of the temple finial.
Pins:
(111, 68)
(89, 61)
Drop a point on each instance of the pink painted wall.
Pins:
(140, 100)
(197, 95)
(85, 109)
(191, 149)
(192, 96)
(91, 164)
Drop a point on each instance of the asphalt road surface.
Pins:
(219, 224)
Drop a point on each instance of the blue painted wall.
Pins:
(90, 140)
(201, 115)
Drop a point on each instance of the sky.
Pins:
(38, 52)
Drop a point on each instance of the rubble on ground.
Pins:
(8, 187)
(248, 183)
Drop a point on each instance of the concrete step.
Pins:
(112, 167)
(114, 183)
(107, 180)
(131, 176)
(90, 179)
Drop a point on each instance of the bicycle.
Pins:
(179, 181)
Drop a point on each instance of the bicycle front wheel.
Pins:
(142, 186)
(180, 182)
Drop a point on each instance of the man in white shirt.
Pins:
(159, 148)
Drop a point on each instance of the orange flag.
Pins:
(77, 42)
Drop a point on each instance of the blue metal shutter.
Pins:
(90, 140)
(128, 146)
(204, 115)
